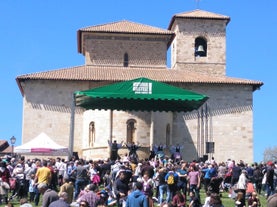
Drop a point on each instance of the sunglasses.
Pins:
(83, 204)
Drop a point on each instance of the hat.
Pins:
(42, 186)
(269, 163)
(244, 171)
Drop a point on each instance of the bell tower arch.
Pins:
(200, 42)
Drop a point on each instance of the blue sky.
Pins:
(41, 35)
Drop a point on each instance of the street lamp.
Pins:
(13, 140)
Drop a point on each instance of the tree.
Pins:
(270, 154)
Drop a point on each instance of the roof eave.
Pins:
(20, 86)
(180, 17)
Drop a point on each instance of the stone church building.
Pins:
(222, 127)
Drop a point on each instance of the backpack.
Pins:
(170, 179)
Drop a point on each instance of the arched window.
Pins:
(91, 134)
(126, 60)
(200, 46)
(167, 135)
(131, 129)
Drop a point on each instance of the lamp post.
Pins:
(13, 140)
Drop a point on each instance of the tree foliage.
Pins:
(270, 154)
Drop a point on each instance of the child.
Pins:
(32, 187)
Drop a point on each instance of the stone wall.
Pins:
(110, 50)
(182, 48)
(229, 123)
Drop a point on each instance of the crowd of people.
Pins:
(128, 181)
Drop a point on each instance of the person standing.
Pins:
(132, 147)
(81, 178)
(235, 172)
(171, 179)
(67, 187)
(43, 176)
(31, 187)
(182, 182)
(4, 176)
(71, 171)
(270, 179)
(137, 197)
(148, 185)
(61, 168)
(194, 180)
(121, 187)
(49, 195)
(210, 172)
(162, 184)
(114, 150)
(258, 177)
(242, 185)
(175, 151)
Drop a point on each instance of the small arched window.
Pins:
(131, 129)
(91, 134)
(200, 47)
(126, 60)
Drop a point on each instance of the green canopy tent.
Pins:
(141, 94)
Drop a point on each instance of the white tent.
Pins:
(41, 145)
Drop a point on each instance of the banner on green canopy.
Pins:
(141, 94)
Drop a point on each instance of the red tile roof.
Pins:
(199, 14)
(3, 145)
(125, 27)
(93, 73)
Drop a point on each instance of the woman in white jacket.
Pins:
(242, 184)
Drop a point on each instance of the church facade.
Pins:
(124, 50)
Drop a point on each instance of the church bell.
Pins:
(200, 51)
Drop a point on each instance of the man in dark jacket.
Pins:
(49, 195)
(269, 179)
(137, 198)
(121, 188)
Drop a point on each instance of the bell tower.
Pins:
(200, 42)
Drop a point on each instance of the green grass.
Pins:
(226, 201)
(229, 202)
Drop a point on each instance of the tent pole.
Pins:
(111, 125)
(152, 130)
(72, 124)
